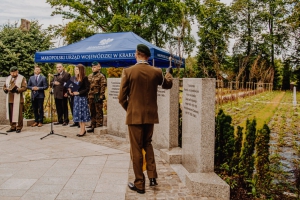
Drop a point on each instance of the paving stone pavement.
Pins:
(93, 167)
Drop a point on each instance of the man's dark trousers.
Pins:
(62, 110)
(38, 109)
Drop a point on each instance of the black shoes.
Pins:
(10, 130)
(153, 181)
(65, 123)
(57, 123)
(18, 131)
(89, 127)
(74, 125)
(79, 135)
(90, 130)
(132, 187)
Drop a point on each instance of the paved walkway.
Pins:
(92, 167)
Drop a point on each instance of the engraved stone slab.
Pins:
(116, 115)
(198, 124)
(165, 135)
(3, 120)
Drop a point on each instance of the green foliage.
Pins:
(286, 75)
(114, 72)
(246, 165)
(28, 110)
(17, 48)
(237, 150)
(262, 161)
(155, 21)
(215, 20)
(224, 139)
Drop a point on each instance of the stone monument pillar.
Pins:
(165, 134)
(294, 97)
(116, 115)
(198, 138)
(3, 120)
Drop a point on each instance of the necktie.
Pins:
(36, 79)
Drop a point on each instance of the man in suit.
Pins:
(37, 84)
(138, 96)
(60, 94)
(14, 86)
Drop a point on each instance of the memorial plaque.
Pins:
(116, 115)
(198, 124)
(165, 134)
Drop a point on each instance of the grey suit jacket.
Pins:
(41, 84)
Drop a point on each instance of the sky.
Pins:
(13, 10)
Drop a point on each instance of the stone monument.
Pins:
(3, 120)
(116, 118)
(294, 97)
(165, 134)
(198, 138)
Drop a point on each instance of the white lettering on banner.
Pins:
(88, 56)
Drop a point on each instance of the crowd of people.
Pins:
(84, 94)
(137, 95)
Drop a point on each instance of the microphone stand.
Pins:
(51, 131)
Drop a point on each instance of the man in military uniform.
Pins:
(14, 86)
(96, 96)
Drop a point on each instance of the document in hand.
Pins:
(73, 86)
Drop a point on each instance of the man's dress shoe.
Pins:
(10, 130)
(90, 130)
(57, 123)
(34, 124)
(132, 187)
(74, 125)
(18, 131)
(65, 124)
(153, 181)
(89, 127)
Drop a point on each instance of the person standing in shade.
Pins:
(96, 96)
(138, 96)
(14, 86)
(60, 94)
(71, 102)
(37, 84)
(81, 113)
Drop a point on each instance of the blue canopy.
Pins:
(110, 49)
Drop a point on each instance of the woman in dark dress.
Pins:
(81, 112)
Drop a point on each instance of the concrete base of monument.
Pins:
(104, 120)
(208, 185)
(172, 156)
(100, 130)
(28, 122)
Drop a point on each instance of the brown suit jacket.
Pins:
(60, 90)
(138, 92)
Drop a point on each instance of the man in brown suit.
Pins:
(60, 94)
(14, 86)
(138, 96)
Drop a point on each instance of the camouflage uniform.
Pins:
(96, 96)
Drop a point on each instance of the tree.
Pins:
(237, 149)
(153, 20)
(224, 139)
(17, 47)
(262, 161)
(215, 27)
(246, 165)
(286, 75)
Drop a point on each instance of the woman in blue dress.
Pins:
(80, 108)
